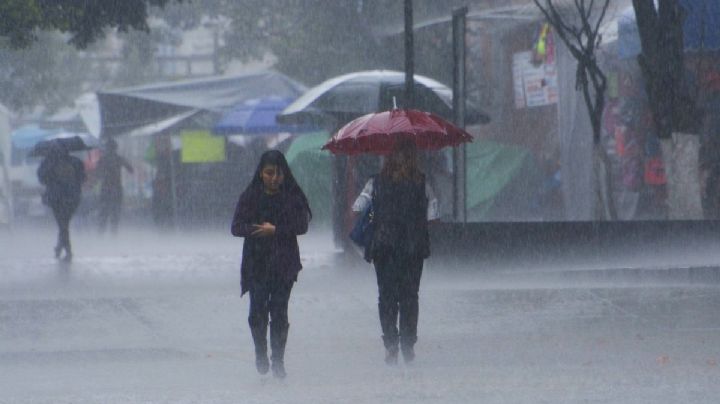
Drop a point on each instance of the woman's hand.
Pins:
(263, 230)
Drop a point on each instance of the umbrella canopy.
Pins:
(344, 98)
(377, 133)
(65, 141)
(701, 28)
(256, 116)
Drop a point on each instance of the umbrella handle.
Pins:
(394, 102)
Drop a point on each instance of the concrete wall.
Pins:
(575, 245)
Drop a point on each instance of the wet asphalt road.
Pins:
(145, 317)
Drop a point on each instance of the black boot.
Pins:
(259, 334)
(278, 340)
(408, 353)
(278, 368)
(68, 250)
(407, 345)
(262, 364)
(391, 349)
(391, 356)
(68, 255)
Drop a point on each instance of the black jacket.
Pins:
(63, 176)
(400, 219)
(283, 257)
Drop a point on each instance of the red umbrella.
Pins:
(378, 132)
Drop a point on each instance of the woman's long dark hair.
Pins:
(289, 185)
(402, 163)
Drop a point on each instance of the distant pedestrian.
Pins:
(402, 204)
(109, 170)
(63, 176)
(270, 214)
(709, 157)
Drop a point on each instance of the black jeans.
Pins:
(398, 278)
(269, 301)
(63, 212)
(110, 208)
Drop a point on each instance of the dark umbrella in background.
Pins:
(70, 142)
(344, 98)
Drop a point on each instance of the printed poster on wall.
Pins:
(533, 86)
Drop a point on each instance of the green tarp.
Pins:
(312, 169)
(491, 166)
(502, 179)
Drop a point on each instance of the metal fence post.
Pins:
(459, 23)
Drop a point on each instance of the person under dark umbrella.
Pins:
(63, 176)
(402, 204)
(109, 169)
(270, 214)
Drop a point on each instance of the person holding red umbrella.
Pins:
(399, 245)
(402, 205)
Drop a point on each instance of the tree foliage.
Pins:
(578, 26)
(311, 39)
(83, 20)
(39, 66)
(579, 30)
(50, 73)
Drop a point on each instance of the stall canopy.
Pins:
(701, 28)
(151, 108)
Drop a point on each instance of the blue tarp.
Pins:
(25, 137)
(701, 29)
(256, 116)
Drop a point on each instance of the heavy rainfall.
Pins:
(490, 201)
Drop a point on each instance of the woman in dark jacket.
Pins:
(270, 214)
(399, 245)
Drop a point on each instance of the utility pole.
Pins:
(409, 57)
(216, 45)
(459, 22)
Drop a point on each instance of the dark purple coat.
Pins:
(284, 257)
